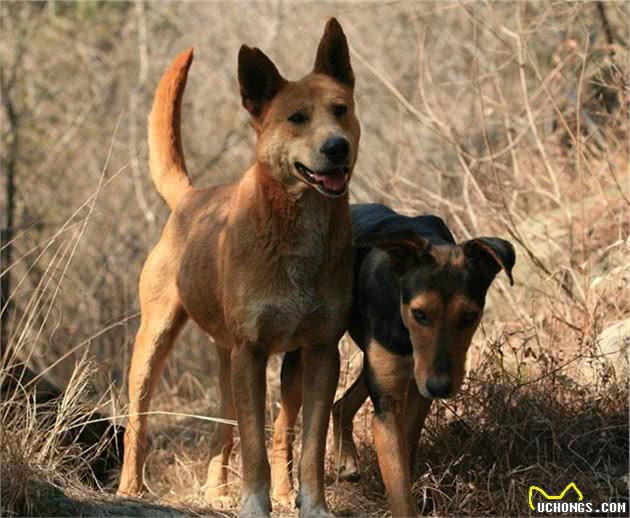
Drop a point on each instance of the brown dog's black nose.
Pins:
(440, 386)
(336, 149)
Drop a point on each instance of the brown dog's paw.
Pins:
(221, 502)
(255, 505)
(217, 497)
(130, 489)
(316, 512)
(284, 497)
(310, 508)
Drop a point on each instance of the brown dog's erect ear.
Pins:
(333, 55)
(404, 248)
(258, 78)
(491, 254)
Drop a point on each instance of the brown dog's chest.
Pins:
(277, 285)
(292, 293)
(282, 325)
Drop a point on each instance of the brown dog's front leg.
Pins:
(393, 460)
(248, 388)
(320, 375)
(284, 428)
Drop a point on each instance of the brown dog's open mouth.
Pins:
(333, 182)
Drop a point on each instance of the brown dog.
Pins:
(263, 265)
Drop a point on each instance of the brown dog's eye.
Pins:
(421, 317)
(340, 110)
(297, 118)
(469, 318)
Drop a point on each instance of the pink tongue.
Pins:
(333, 181)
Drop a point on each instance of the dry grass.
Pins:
(491, 115)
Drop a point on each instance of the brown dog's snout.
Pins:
(336, 150)
(440, 386)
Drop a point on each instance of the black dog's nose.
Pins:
(336, 149)
(439, 386)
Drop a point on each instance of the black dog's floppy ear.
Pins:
(491, 254)
(403, 247)
(258, 78)
(333, 55)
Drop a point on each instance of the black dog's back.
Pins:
(373, 218)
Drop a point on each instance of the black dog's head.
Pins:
(443, 290)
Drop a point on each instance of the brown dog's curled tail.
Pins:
(166, 156)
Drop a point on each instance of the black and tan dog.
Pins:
(263, 265)
(418, 299)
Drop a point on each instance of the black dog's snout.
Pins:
(439, 386)
(336, 149)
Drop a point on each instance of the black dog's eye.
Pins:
(421, 317)
(340, 110)
(297, 118)
(469, 318)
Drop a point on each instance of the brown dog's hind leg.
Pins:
(320, 375)
(345, 453)
(216, 493)
(162, 318)
(416, 409)
(284, 428)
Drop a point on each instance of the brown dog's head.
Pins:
(443, 291)
(308, 133)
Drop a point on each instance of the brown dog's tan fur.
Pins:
(263, 265)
